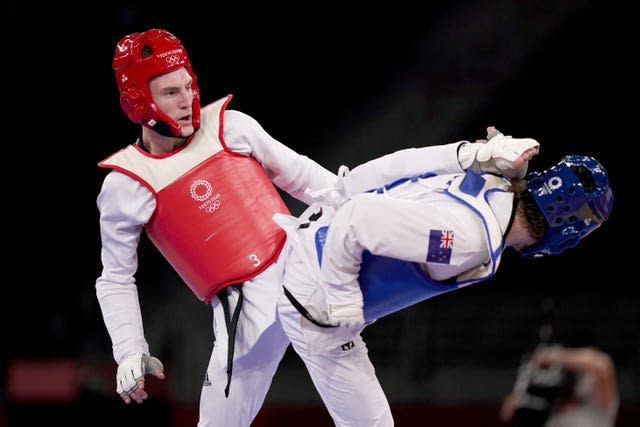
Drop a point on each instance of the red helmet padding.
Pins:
(133, 72)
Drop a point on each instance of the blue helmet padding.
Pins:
(572, 208)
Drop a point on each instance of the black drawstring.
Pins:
(299, 307)
(304, 311)
(232, 324)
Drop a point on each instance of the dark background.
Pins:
(341, 86)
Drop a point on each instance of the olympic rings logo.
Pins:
(173, 59)
(212, 207)
(196, 185)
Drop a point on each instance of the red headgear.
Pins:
(163, 53)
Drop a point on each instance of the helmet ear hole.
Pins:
(585, 176)
(146, 51)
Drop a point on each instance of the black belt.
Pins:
(232, 324)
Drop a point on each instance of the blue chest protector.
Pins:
(390, 284)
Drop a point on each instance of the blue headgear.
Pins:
(575, 199)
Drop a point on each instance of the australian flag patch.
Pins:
(440, 246)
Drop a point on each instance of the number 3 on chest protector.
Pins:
(254, 259)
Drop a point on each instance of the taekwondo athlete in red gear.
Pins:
(445, 229)
(200, 182)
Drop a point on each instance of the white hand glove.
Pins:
(500, 152)
(134, 368)
(349, 315)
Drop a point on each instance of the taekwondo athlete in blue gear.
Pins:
(574, 197)
(337, 358)
(475, 215)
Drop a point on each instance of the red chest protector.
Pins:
(214, 207)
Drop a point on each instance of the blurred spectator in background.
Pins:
(563, 387)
